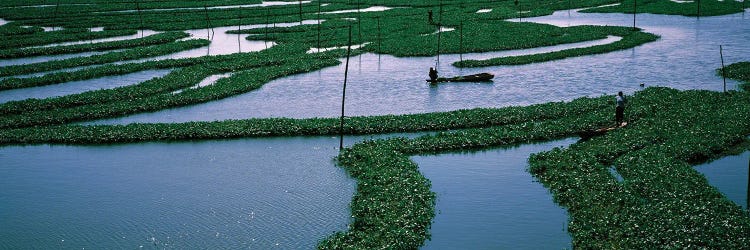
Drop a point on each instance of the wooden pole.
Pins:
(343, 95)
(440, 23)
(747, 199)
(379, 41)
(266, 29)
(359, 23)
(57, 6)
(721, 53)
(519, 10)
(239, 29)
(635, 7)
(461, 40)
(318, 26)
(699, 9)
(138, 7)
(208, 22)
(300, 12)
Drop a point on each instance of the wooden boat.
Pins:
(588, 134)
(481, 77)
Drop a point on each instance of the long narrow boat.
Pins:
(481, 77)
(588, 134)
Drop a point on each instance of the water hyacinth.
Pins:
(160, 38)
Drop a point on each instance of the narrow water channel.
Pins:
(487, 200)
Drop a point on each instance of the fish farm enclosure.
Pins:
(313, 124)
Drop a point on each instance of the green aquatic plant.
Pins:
(629, 39)
(65, 35)
(130, 54)
(159, 38)
(667, 7)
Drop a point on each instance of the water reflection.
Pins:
(730, 176)
(488, 200)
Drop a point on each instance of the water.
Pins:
(76, 87)
(684, 58)
(141, 33)
(250, 193)
(487, 200)
(730, 176)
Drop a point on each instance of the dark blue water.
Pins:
(487, 200)
(258, 194)
(729, 175)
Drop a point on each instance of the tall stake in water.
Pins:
(318, 26)
(461, 41)
(359, 23)
(747, 199)
(265, 39)
(239, 29)
(300, 12)
(440, 24)
(635, 6)
(57, 6)
(138, 7)
(699, 9)
(379, 41)
(343, 96)
(721, 53)
(209, 30)
(519, 10)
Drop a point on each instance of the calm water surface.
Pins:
(254, 193)
(487, 200)
(684, 58)
(730, 176)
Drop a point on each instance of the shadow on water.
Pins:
(487, 200)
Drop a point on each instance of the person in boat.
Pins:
(433, 74)
(620, 102)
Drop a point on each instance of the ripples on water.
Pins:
(225, 194)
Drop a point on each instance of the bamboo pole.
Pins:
(239, 29)
(319, 26)
(209, 29)
(343, 96)
(300, 12)
(635, 7)
(699, 9)
(461, 40)
(359, 23)
(265, 39)
(721, 53)
(57, 6)
(138, 6)
(440, 23)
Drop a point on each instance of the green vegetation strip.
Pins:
(629, 39)
(76, 134)
(66, 35)
(739, 71)
(274, 53)
(131, 54)
(194, 72)
(124, 44)
(667, 7)
(662, 203)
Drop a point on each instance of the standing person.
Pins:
(433, 74)
(620, 108)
